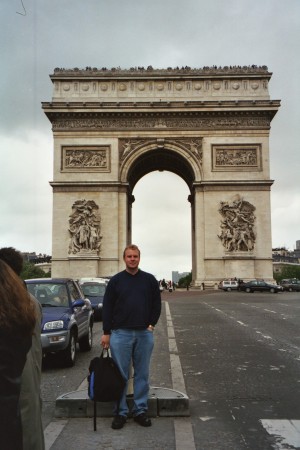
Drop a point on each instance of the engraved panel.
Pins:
(236, 157)
(85, 158)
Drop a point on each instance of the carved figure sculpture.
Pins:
(237, 226)
(85, 158)
(84, 227)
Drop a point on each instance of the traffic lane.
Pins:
(58, 380)
(273, 317)
(233, 378)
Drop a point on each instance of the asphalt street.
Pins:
(239, 360)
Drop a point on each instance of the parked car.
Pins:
(67, 317)
(292, 284)
(259, 285)
(228, 285)
(94, 291)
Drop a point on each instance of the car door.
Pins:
(81, 313)
(262, 285)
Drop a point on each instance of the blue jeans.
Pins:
(128, 345)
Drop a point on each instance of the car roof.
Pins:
(49, 280)
(93, 280)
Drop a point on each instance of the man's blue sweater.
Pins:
(131, 301)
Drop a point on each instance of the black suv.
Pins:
(291, 284)
(67, 316)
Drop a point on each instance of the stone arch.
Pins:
(151, 157)
(210, 126)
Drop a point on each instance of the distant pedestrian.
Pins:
(17, 321)
(131, 309)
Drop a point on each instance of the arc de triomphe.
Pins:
(210, 126)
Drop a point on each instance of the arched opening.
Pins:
(160, 159)
(161, 185)
(161, 224)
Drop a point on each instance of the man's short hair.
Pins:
(131, 247)
(13, 258)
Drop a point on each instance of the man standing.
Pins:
(131, 309)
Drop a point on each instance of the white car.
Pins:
(228, 285)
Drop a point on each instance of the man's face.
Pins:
(131, 259)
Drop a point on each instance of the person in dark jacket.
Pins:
(30, 398)
(17, 321)
(131, 309)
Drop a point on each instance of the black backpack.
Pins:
(105, 382)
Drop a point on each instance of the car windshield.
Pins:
(49, 294)
(93, 289)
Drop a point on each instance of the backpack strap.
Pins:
(95, 415)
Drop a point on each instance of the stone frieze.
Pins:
(232, 157)
(86, 158)
(162, 121)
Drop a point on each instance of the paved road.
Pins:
(240, 355)
(236, 355)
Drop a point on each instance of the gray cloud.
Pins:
(161, 33)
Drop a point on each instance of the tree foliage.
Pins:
(31, 271)
(287, 272)
(185, 281)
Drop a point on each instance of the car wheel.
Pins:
(69, 354)
(228, 289)
(290, 289)
(272, 290)
(86, 343)
(248, 290)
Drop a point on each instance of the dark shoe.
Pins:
(143, 420)
(118, 422)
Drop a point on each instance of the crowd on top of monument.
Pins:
(206, 69)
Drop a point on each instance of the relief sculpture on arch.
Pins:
(84, 228)
(238, 225)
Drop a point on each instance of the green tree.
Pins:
(32, 271)
(185, 281)
(287, 272)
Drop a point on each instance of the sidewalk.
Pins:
(168, 408)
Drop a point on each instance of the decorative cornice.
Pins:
(90, 186)
(233, 185)
(184, 105)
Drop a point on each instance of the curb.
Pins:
(162, 402)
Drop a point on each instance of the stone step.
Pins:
(162, 402)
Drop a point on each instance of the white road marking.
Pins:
(52, 431)
(269, 310)
(287, 432)
(184, 436)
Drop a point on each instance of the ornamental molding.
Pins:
(192, 146)
(160, 121)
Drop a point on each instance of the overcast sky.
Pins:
(126, 33)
